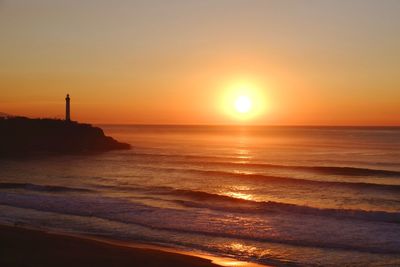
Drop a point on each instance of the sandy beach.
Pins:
(25, 247)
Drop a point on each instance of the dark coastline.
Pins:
(22, 137)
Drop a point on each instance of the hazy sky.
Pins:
(314, 62)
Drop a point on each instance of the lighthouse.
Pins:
(67, 109)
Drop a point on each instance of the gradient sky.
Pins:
(315, 62)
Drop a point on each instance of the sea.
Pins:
(280, 196)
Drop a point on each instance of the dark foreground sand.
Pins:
(23, 247)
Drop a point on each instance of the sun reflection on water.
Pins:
(238, 192)
(242, 248)
(239, 195)
(242, 172)
(243, 155)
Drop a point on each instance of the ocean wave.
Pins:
(326, 170)
(224, 203)
(233, 162)
(120, 210)
(231, 204)
(42, 188)
(287, 180)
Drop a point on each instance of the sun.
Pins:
(243, 104)
(243, 101)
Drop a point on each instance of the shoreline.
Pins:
(47, 248)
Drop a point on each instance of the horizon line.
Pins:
(221, 124)
(247, 125)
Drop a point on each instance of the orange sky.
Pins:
(175, 62)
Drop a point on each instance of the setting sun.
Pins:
(243, 104)
(244, 99)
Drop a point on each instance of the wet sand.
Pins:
(24, 247)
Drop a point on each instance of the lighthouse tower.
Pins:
(67, 109)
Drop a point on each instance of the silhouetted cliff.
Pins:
(20, 136)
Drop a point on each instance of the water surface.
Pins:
(274, 195)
